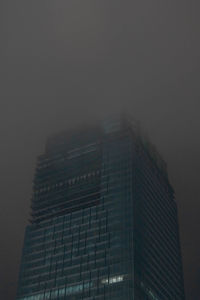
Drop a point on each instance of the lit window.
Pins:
(114, 279)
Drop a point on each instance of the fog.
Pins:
(66, 62)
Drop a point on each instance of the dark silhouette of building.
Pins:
(103, 220)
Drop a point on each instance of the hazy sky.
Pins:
(67, 61)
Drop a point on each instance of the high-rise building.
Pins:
(103, 220)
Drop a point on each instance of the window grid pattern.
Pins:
(103, 221)
(80, 253)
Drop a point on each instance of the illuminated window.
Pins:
(114, 279)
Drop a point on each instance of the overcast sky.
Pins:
(67, 61)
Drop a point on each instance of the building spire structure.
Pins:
(103, 219)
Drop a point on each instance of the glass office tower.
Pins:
(103, 220)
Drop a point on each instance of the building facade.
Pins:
(103, 220)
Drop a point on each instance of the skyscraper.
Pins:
(103, 220)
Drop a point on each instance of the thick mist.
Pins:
(64, 62)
